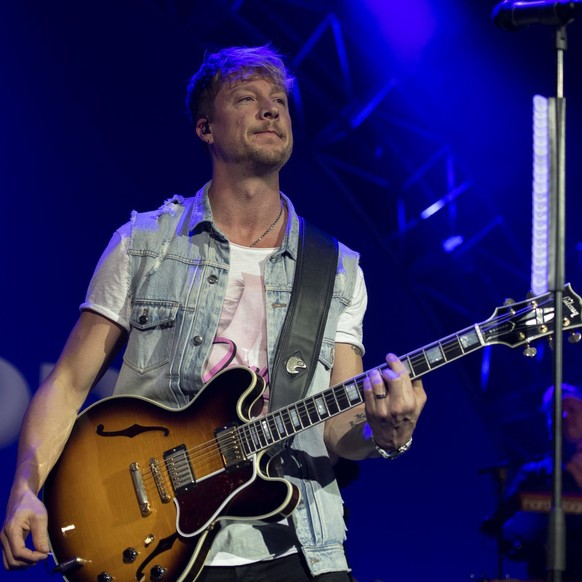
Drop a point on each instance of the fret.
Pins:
(420, 365)
(312, 411)
(303, 414)
(288, 417)
(341, 397)
(247, 445)
(470, 341)
(321, 406)
(332, 403)
(266, 431)
(256, 435)
(454, 351)
(250, 442)
(273, 430)
(434, 356)
(295, 419)
(280, 423)
(352, 392)
(274, 427)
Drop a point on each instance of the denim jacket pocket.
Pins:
(153, 325)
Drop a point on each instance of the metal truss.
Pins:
(399, 178)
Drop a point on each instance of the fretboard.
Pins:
(286, 422)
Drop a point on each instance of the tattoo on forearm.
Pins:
(357, 350)
(358, 419)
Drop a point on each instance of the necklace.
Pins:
(269, 229)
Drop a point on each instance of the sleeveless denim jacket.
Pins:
(179, 265)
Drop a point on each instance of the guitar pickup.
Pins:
(230, 448)
(179, 469)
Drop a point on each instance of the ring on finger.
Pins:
(380, 395)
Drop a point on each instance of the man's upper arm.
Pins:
(89, 350)
(348, 363)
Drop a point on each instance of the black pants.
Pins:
(288, 569)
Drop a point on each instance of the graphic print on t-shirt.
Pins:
(242, 333)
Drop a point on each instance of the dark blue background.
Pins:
(92, 125)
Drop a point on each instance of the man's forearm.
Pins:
(348, 436)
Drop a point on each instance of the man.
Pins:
(525, 532)
(202, 284)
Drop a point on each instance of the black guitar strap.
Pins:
(302, 332)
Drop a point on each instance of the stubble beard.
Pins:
(264, 160)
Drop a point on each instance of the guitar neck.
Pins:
(284, 423)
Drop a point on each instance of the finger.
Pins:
(395, 375)
(16, 553)
(5, 551)
(395, 365)
(11, 562)
(374, 387)
(39, 533)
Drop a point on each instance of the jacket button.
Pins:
(212, 279)
(197, 340)
(143, 318)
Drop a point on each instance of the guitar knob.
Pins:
(105, 577)
(530, 352)
(574, 337)
(158, 573)
(129, 555)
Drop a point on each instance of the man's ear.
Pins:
(203, 130)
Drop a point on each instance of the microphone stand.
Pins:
(511, 15)
(556, 555)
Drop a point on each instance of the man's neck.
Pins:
(244, 208)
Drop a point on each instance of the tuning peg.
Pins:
(574, 337)
(530, 351)
(509, 301)
(530, 295)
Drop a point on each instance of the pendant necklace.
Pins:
(269, 229)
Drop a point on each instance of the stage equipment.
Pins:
(510, 15)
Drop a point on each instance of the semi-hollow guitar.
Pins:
(141, 489)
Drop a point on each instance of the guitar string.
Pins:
(211, 450)
(309, 407)
(451, 344)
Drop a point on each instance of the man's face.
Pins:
(572, 419)
(251, 125)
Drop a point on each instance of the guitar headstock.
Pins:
(516, 324)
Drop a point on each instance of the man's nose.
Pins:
(270, 111)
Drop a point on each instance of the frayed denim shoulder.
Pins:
(168, 207)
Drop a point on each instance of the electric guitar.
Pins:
(141, 490)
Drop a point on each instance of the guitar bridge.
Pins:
(159, 480)
(230, 448)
